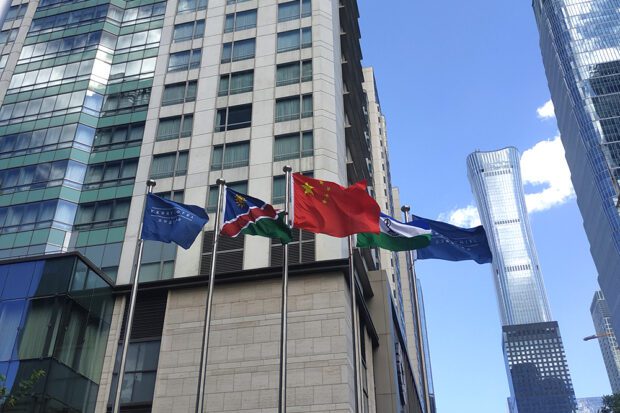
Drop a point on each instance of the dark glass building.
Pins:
(540, 379)
(55, 314)
(580, 45)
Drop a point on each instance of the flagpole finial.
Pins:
(287, 168)
(220, 181)
(405, 208)
(150, 183)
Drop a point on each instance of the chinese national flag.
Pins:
(325, 207)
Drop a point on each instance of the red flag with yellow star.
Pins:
(325, 207)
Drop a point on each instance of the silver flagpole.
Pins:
(150, 184)
(200, 398)
(283, 329)
(355, 330)
(418, 319)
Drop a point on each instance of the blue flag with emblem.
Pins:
(169, 221)
(452, 243)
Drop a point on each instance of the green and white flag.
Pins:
(396, 235)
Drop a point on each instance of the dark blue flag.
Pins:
(169, 221)
(456, 244)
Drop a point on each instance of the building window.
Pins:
(133, 69)
(108, 174)
(143, 14)
(295, 72)
(16, 12)
(119, 137)
(294, 10)
(294, 107)
(279, 187)
(138, 41)
(187, 31)
(235, 1)
(169, 164)
(185, 60)
(240, 186)
(238, 82)
(65, 20)
(240, 21)
(293, 146)
(127, 102)
(233, 117)
(42, 175)
(179, 93)
(51, 76)
(8, 36)
(143, 353)
(191, 5)
(229, 254)
(295, 39)
(238, 50)
(175, 127)
(300, 250)
(158, 258)
(37, 215)
(232, 155)
(3, 60)
(39, 140)
(278, 191)
(102, 214)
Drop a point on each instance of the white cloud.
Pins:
(546, 111)
(462, 217)
(543, 166)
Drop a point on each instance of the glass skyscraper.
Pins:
(533, 351)
(606, 339)
(580, 44)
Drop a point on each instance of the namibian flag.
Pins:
(397, 236)
(251, 216)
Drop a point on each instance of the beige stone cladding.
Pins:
(243, 367)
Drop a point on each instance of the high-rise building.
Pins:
(534, 355)
(397, 265)
(98, 97)
(579, 43)
(606, 339)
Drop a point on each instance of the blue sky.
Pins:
(454, 77)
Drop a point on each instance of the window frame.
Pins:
(302, 11)
(300, 39)
(301, 114)
(301, 153)
(188, 85)
(229, 77)
(302, 78)
(234, 16)
(196, 33)
(181, 133)
(239, 125)
(192, 62)
(229, 165)
(235, 45)
(176, 171)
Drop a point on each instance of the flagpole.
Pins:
(284, 317)
(355, 330)
(150, 184)
(418, 318)
(200, 397)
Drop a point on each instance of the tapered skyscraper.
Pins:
(535, 359)
(580, 44)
